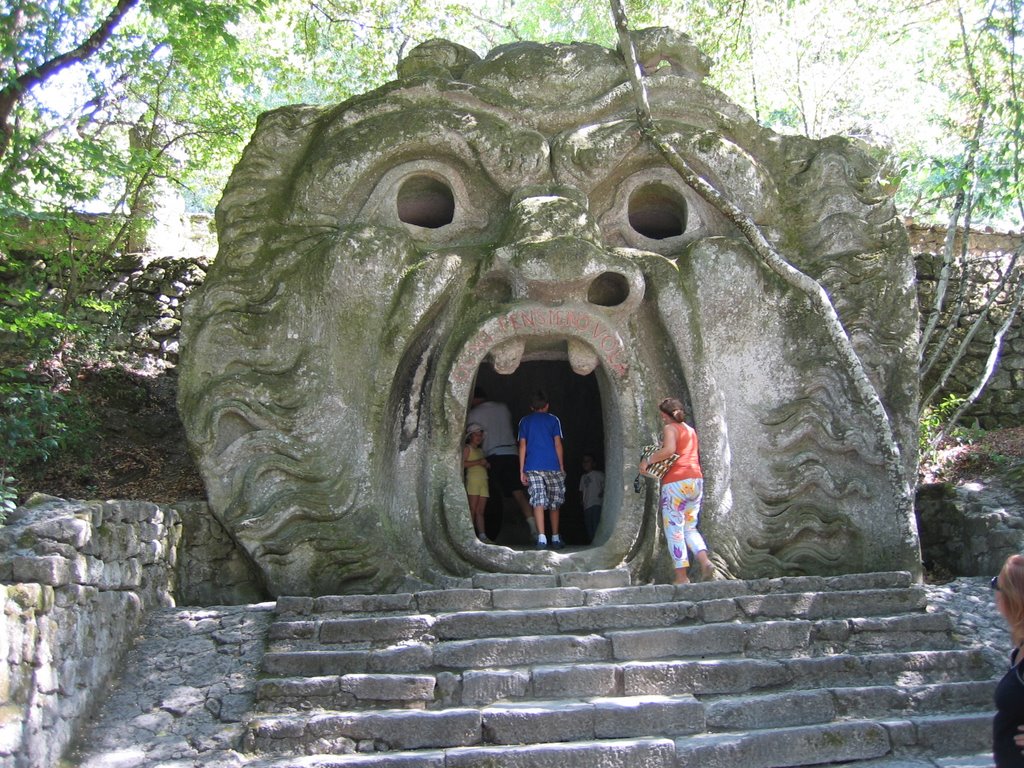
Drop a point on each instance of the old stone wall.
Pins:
(150, 289)
(77, 579)
(989, 256)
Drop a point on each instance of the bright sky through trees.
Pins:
(895, 76)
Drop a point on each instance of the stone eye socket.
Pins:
(657, 211)
(426, 201)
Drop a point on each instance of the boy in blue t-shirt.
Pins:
(542, 468)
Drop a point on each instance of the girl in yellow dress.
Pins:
(476, 465)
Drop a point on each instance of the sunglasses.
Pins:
(995, 584)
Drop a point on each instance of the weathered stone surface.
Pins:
(488, 686)
(580, 680)
(539, 723)
(793, 746)
(771, 711)
(515, 651)
(636, 753)
(494, 624)
(630, 716)
(98, 568)
(478, 219)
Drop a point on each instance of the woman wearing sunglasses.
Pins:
(1009, 698)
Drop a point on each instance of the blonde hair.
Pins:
(1011, 584)
(673, 409)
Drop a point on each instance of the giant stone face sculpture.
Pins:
(501, 221)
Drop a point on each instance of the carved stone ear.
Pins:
(658, 47)
(437, 58)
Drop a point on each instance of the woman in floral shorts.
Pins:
(682, 489)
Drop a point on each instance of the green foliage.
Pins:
(36, 421)
(933, 420)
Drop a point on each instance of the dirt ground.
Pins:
(140, 452)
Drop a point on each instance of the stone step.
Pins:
(733, 676)
(479, 594)
(621, 753)
(808, 745)
(528, 655)
(603, 681)
(565, 670)
(957, 761)
(756, 639)
(681, 718)
(868, 606)
(846, 743)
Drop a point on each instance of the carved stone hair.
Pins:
(672, 408)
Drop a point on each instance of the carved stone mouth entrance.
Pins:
(581, 359)
(576, 401)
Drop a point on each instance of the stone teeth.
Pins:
(582, 357)
(507, 356)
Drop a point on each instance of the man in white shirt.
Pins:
(501, 450)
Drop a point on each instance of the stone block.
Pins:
(51, 570)
(413, 657)
(538, 722)
(28, 596)
(632, 716)
(297, 688)
(714, 611)
(607, 579)
(771, 711)
(514, 581)
(488, 686)
(702, 677)
(962, 696)
(577, 681)
(554, 597)
(292, 630)
(970, 731)
(378, 629)
(443, 600)
(297, 605)
(786, 746)
(871, 701)
(474, 624)
(402, 601)
(778, 635)
(401, 729)
(918, 667)
(647, 593)
(597, 618)
(389, 687)
(10, 737)
(64, 529)
(703, 640)
(314, 663)
(520, 651)
(96, 569)
(638, 753)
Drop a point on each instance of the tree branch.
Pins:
(12, 93)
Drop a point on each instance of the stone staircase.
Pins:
(584, 669)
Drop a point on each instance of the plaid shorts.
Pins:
(547, 488)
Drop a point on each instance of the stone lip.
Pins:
(537, 321)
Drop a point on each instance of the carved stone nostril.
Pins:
(609, 289)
